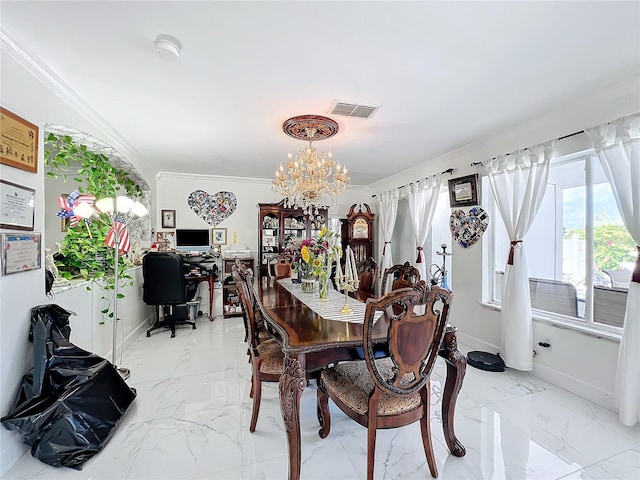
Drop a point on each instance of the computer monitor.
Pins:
(194, 240)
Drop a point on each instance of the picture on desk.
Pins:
(166, 241)
(218, 236)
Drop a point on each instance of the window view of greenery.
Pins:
(613, 248)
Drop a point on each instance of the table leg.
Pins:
(456, 368)
(292, 383)
(211, 282)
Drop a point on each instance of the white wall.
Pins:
(581, 363)
(173, 190)
(27, 93)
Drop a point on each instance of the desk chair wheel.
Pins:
(148, 334)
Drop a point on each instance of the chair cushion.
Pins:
(272, 357)
(351, 383)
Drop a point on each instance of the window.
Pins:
(579, 253)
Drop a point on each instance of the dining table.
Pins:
(314, 335)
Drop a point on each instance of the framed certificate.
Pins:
(16, 206)
(20, 252)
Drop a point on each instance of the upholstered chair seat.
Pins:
(271, 357)
(351, 384)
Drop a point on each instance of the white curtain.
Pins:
(618, 147)
(388, 208)
(423, 198)
(518, 182)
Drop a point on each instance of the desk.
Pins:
(205, 274)
(311, 342)
(204, 277)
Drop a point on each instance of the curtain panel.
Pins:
(423, 199)
(618, 147)
(518, 183)
(388, 208)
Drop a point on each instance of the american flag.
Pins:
(125, 243)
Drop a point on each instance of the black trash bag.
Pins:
(70, 403)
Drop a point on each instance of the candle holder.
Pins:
(347, 285)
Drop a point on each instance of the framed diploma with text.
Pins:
(16, 206)
(20, 252)
(18, 142)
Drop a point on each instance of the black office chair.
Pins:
(165, 285)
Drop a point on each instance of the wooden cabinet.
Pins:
(230, 299)
(276, 224)
(360, 231)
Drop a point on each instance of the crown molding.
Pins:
(51, 80)
(202, 176)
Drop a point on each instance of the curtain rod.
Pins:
(479, 164)
(448, 170)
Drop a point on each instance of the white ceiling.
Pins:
(445, 74)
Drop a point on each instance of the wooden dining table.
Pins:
(311, 342)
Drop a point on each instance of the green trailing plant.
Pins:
(84, 252)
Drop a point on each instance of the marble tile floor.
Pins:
(191, 417)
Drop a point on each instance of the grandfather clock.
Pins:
(360, 236)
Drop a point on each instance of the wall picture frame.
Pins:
(16, 206)
(19, 142)
(21, 252)
(218, 236)
(463, 191)
(168, 219)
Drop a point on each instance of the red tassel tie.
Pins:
(513, 244)
(635, 277)
(384, 249)
(419, 259)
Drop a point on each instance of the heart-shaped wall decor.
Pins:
(213, 209)
(468, 228)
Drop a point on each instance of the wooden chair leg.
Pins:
(425, 428)
(372, 430)
(322, 411)
(257, 395)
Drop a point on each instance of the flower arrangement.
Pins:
(313, 256)
(318, 253)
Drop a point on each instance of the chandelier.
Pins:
(313, 178)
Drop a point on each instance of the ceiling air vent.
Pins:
(352, 110)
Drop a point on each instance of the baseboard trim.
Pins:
(585, 390)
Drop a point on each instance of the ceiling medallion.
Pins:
(297, 127)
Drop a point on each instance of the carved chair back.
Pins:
(399, 276)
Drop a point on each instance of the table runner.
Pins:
(329, 309)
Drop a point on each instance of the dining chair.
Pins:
(279, 267)
(400, 276)
(367, 274)
(393, 391)
(265, 355)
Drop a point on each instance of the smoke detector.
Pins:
(167, 47)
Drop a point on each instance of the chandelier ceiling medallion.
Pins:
(312, 178)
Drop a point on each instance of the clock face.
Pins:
(360, 228)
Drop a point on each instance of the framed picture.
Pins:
(20, 252)
(218, 236)
(19, 142)
(166, 241)
(16, 206)
(463, 191)
(168, 219)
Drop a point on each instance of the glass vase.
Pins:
(308, 283)
(323, 285)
